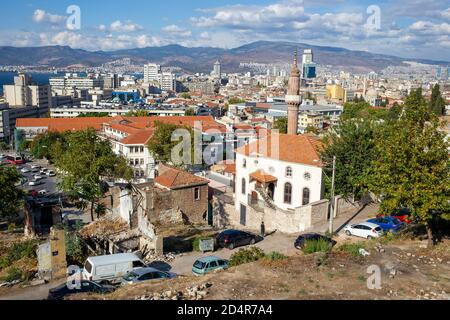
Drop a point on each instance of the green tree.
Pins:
(190, 112)
(161, 145)
(11, 196)
(42, 144)
(281, 124)
(186, 95)
(86, 161)
(311, 129)
(235, 100)
(437, 103)
(362, 110)
(94, 115)
(412, 167)
(137, 113)
(353, 144)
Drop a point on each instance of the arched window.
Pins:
(244, 163)
(306, 194)
(288, 193)
(243, 186)
(289, 172)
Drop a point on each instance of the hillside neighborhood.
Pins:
(200, 194)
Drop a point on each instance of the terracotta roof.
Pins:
(62, 124)
(141, 137)
(302, 149)
(263, 177)
(175, 178)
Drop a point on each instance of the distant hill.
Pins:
(201, 59)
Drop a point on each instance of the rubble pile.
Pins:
(191, 293)
(151, 256)
(105, 227)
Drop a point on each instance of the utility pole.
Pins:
(332, 196)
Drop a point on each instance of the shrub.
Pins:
(312, 246)
(12, 227)
(246, 255)
(352, 248)
(13, 275)
(75, 249)
(19, 250)
(275, 256)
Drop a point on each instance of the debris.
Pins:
(364, 252)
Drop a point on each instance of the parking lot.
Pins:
(47, 184)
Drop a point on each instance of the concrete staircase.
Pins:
(267, 199)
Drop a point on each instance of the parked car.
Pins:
(38, 177)
(33, 193)
(111, 268)
(34, 183)
(388, 224)
(209, 264)
(43, 171)
(146, 274)
(25, 170)
(51, 173)
(364, 230)
(35, 168)
(234, 238)
(59, 293)
(402, 214)
(301, 240)
(42, 192)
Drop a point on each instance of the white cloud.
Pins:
(173, 29)
(119, 26)
(41, 16)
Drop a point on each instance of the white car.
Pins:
(365, 230)
(38, 177)
(44, 171)
(34, 183)
(51, 173)
(25, 170)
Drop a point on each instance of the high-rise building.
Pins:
(293, 98)
(167, 81)
(24, 93)
(152, 72)
(308, 65)
(217, 71)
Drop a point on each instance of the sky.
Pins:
(405, 28)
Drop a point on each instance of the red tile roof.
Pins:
(174, 178)
(302, 149)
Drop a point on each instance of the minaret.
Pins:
(293, 98)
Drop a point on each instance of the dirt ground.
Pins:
(408, 271)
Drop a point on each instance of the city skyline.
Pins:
(108, 26)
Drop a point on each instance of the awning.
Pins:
(262, 177)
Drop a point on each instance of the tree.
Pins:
(437, 103)
(362, 110)
(42, 144)
(11, 196)
(281, 124)
(186, 95)
(412, 167)
(161, 145)
(94, 115)
(137, 113)
(235, 100)
(353, 144)
(86, 161)
(190, 112)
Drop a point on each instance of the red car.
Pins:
(33, 193)
(404, 215)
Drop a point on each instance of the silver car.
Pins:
(146, 274)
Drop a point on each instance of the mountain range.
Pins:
(201, 59)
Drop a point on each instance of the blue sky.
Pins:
(408, 28)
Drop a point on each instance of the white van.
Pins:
(110, 268)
